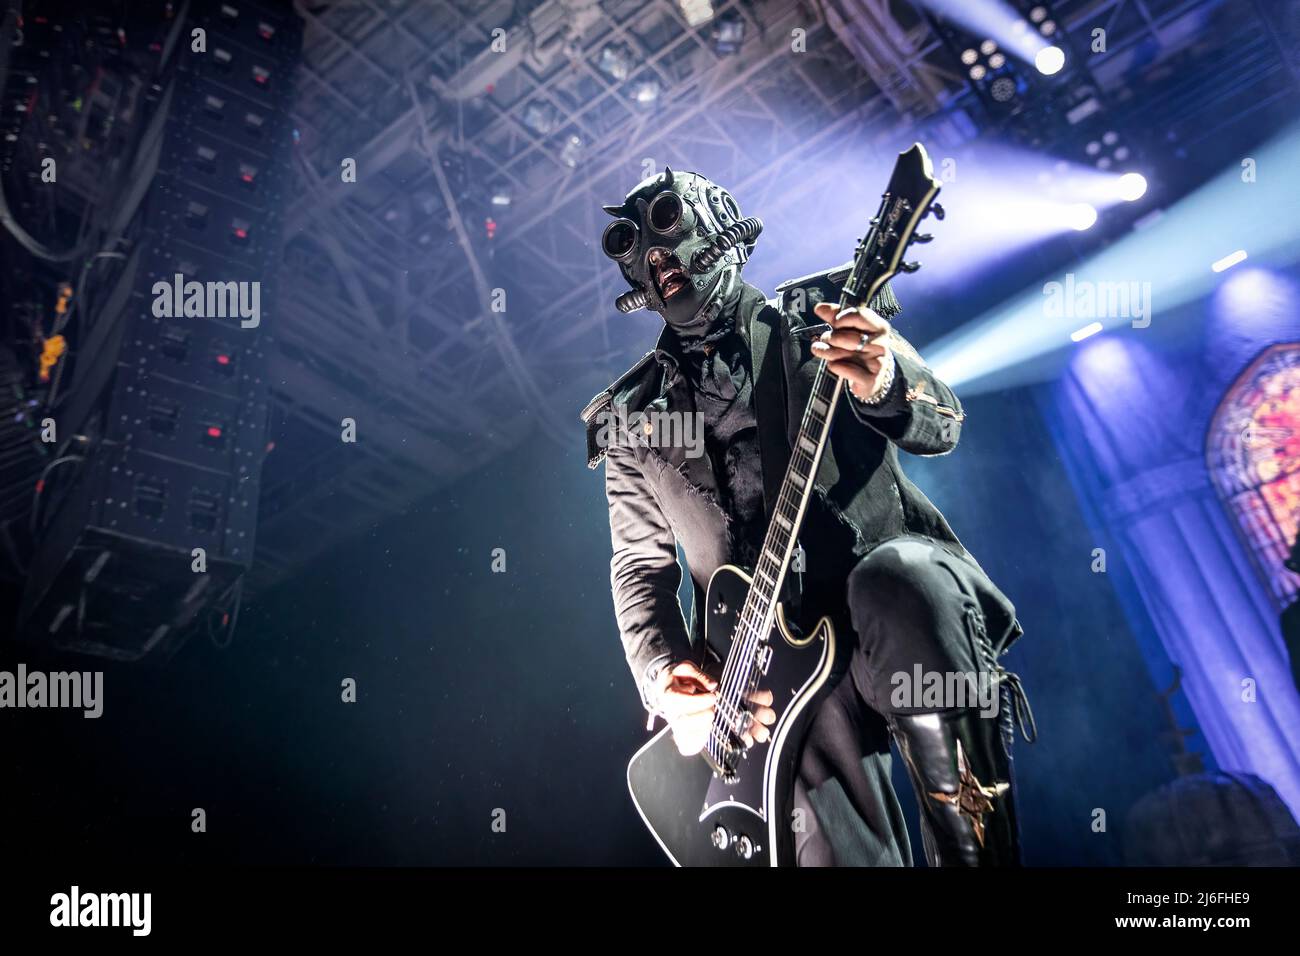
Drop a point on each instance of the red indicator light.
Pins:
(223, 359)
(214, 431)
(241, 233)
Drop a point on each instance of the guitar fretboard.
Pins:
(755, 622)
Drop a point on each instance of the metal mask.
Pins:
(680, 242)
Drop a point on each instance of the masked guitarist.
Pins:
(875, 555)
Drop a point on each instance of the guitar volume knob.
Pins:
(720, 837)
(744, 847)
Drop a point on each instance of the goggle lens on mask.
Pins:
(669, 216)
(619, 239)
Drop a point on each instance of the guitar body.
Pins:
(700, 820)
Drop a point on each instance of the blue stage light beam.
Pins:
(1252, 209)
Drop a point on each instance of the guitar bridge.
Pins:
(725, 774)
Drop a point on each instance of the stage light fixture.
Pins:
(1081, 216)
(1228, 261)
(1092, 328)
(539, 117)
(615, 61)
(696, 12)
(1132, 186)
(1049, 60)
(572, 151)
(1003, 89)
(728, 35)
(646, 92)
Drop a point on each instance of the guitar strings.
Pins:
(740, 671)
(750, 628)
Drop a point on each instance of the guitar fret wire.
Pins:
(743, 673)
(740, 671)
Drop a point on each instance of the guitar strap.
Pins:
(769, 399)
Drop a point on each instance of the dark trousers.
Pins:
(909, 601)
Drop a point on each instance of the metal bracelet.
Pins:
(883, 384)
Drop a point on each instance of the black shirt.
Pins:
(719, 372)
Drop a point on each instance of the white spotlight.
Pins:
(1081, 216)
(1049, 60)
(1230, 260)
(1092, 328)
(1131, 186)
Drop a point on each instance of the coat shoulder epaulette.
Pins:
(592, 413)
(801, 294)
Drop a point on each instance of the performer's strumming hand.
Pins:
(856, 349)
(687, 698)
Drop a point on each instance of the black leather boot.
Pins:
(961, 771)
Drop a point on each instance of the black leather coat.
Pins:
(660, 497)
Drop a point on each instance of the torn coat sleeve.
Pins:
(920, 414)
(644, 572)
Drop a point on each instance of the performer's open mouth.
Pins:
(670, 275)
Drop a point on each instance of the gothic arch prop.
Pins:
(1252, 451)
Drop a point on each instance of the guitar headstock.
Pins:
(907, 199)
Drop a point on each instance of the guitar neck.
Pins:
(792, 501)
(879, 256)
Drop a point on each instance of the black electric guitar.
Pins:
(731, 806)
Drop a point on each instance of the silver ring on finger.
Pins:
(862, 343)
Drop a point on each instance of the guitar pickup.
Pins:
(764, 657)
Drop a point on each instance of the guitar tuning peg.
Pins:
(909, 266)
(937, 210)
(922, 237)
